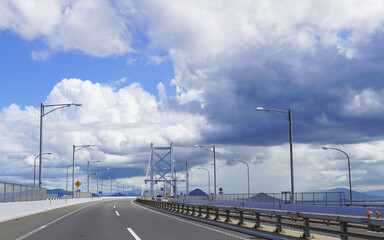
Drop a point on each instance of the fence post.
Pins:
(227, 216)
(5, 191)
(278, 224)
(13, 192)
(241, 219)
(257, 221)
(306, 233)
(344, 231)
(216, 214)
(207, 215)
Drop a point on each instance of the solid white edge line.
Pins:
(117, 213)
(192, 223)
(46, 225)
(133, 234)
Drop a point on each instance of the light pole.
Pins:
(98, 172)
(186, 176)
(249, 193)
(209, 182)
(213, 149)
(73, 163)
(42, 114)
(66, 185)
(289, 119)
(34, 169)
(90, 163)
(349, 169)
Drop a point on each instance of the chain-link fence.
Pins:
(303, 198)
(11, 192)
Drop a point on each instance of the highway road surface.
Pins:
(111, 219)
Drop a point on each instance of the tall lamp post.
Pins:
(34, 169)
(66, 185)
(289, 119)
(42, 114)
(98, 172)
(90, 163)
(249, 193)
(349, 169)
(209, 182)
(79, 147)
(186, 176)
(213, 149)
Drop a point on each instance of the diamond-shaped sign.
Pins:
(77, 184)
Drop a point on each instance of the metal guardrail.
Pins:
(303, 198)
(11, 192)
(338, 225)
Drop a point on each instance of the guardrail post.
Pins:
(306, 233)
(227, 216)
(193, 211)
(216, 214)
(187, 210)
(207, 216)
(278, 224)
(344, 231)
(241, 219)
(199, 214)
(257, 221)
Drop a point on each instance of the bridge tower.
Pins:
(161, 168)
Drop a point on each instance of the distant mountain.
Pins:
(197, 192)
(379, 193)
(264, 198)
(59, 192)
(356, 195)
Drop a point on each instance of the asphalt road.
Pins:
(111, 219)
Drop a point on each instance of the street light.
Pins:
(98, 170)
(209, 182)
(42, 114)
(90, 163)
(289, 119)
(235, 160)
(34, 169)
(73, 162)
(186, 176)
(66, 185)
(213, 149)
(349, 169)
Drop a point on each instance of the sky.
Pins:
(193, 72)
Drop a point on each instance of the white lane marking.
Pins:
(46, 225)
(182, 220)
(114, 206)
(117, 213)
(133, 234)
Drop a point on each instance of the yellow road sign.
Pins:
(77, 184)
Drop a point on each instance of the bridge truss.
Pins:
(161, 170)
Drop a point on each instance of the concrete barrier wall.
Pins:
(14, 210)
(351, 211)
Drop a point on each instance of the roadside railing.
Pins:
(253, 218)
(302, 198)
(11, 192)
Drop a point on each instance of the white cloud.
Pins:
(92, 27)
(120, 123)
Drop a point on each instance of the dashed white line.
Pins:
(117, 213)
(133, 234)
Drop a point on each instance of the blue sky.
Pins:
(193, 73)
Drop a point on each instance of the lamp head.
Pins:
(259, 109)
(77, 104)
(325, 148)
(197, 145)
